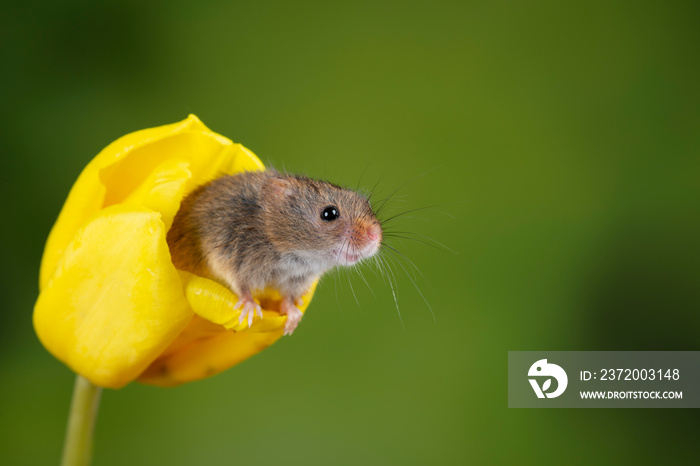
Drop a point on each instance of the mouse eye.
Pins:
(330, 213)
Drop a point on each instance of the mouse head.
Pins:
(319, 221)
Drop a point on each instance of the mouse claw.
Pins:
(249, 309)
(293, 314)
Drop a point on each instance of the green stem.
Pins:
(77, 449)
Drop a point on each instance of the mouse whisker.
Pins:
(393, 285)
(359, 271)
(435, 244)
(395, 252)
(417, 209)
(397, 255)
(371, 193)
(335, 282)
(347, 274)
(395, 199)
(376, 268)
(381, 207)
(357, 186)
(397, 260)
(344, 249)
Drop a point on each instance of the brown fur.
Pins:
(264, 229)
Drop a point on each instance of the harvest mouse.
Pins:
(264, 229)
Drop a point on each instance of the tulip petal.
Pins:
(207, 357)
(162, 191)
(215, 303)
(203, 349)
(125, 165)
(115, 301)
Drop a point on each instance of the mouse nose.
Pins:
(374, 232)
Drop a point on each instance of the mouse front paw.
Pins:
(293, 314)
(249, 309)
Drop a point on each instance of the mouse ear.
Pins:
(278, 188)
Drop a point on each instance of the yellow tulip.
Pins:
(112, 306)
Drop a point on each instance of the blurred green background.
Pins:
(562, 145)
